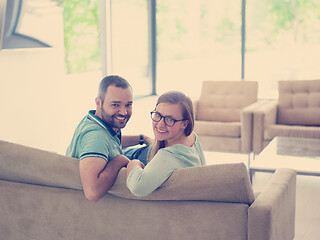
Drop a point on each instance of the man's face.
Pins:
(116, 109)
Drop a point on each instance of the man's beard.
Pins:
(112, 122)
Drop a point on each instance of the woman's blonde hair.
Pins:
(175, 97)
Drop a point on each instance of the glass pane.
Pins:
(39, 19)
(130, 43)
(81, 35)
(33, 24)
(197, 40)
(283, 42)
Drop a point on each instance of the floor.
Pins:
(308, 187)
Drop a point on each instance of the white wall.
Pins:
(40, 105)
(30, 96)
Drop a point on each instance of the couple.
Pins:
(101, 148)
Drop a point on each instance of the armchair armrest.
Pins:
(195, 106)
(247, 125)
(263, 116)
(272, 215)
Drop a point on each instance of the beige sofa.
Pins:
(296, 113)
(224, 115)
(41, 198)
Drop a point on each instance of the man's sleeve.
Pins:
(94, 144)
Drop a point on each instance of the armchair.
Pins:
(296, 113)
(224, 115)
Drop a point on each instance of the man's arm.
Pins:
(98, 176)
(128, 141)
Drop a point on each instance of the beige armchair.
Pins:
(224, 115)
(295, 114)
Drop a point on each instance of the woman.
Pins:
(176, 145)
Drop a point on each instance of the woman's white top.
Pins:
(142, 182)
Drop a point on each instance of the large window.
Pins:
(259, 40)
(283, 42)
(81, 35)
(130, 43)
(197, 40)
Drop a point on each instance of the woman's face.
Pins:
(162, 132)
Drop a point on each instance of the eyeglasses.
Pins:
(169, 121)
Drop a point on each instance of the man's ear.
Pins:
(98, 102)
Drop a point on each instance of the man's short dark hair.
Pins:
(112, 80)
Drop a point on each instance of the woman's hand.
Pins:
(133, 164)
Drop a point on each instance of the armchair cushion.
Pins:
(299, 102)
(223, 100)
(222, 129)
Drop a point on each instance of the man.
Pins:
(97, 140)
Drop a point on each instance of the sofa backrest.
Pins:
(224, 100)
(30, 165)
(299, 102)
(226, 183)
(220, 183)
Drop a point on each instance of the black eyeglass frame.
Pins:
(165, 117)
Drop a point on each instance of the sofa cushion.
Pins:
(227, 183)
(224, 100)
(223, 129)
(291, 131)
(299, 102)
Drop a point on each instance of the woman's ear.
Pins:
(185, 123)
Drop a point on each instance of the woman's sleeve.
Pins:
(142, 182)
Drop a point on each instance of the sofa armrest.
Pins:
(247, 125)
(262, 117)
(272, 215)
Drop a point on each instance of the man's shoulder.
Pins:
(89, 130)
(87, 125)
(95, 133)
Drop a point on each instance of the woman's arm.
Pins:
(142, 181)
(132, 165)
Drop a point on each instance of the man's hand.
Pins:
(98, 176)
(147, 140)
(128, 141)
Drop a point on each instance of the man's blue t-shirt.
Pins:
(94, 138)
